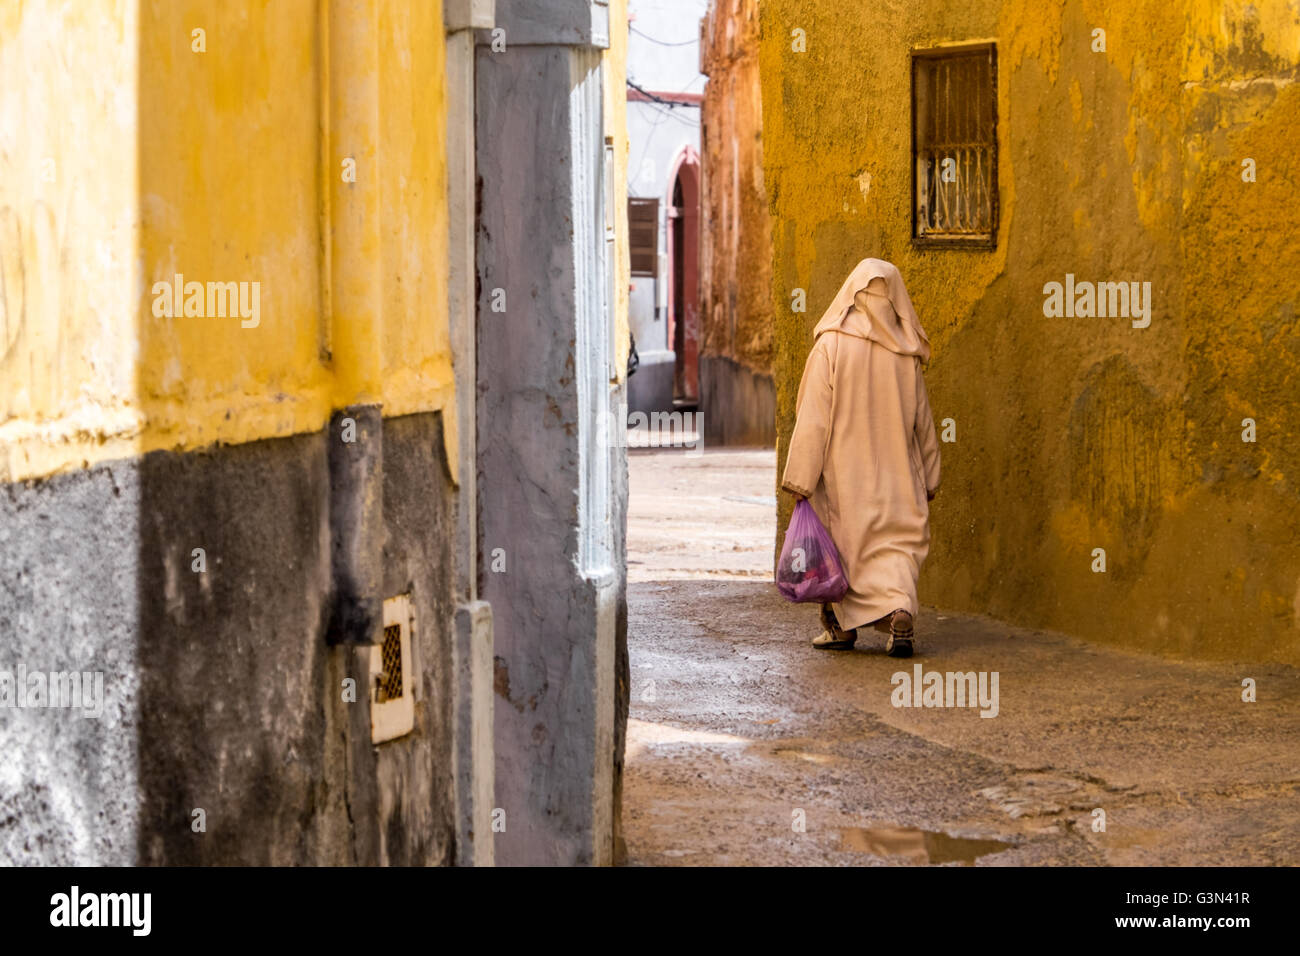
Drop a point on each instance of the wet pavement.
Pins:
(747, 746)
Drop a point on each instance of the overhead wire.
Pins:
(646, 36)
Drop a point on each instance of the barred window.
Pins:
(954, 146)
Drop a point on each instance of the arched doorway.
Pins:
(683, 254)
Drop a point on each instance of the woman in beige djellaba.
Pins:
(865, 454)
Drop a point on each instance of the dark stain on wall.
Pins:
(1117, 455)
(224, 694)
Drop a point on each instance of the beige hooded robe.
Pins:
(864, 451)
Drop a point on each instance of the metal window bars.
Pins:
(954, 127)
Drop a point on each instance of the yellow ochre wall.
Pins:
(225, 166)
(1076, 433)
(68, 235)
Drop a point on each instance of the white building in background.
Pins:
(664, 92)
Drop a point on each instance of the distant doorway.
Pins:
(683, 222)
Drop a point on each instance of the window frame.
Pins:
(969, 243)
(644, 202)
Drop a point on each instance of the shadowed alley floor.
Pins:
(739, 730)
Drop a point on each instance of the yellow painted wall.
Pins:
(413, 106)
(225, 166)
(68, 234)
(1077, 433)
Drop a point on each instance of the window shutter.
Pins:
(643, 235)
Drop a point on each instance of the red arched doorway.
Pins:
(683, 214)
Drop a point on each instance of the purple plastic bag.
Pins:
(810, 569)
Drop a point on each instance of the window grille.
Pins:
(954, 146)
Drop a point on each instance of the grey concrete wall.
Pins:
(557, 627)
(566, 22)
(414, 774)
(222, 692)
(69, 790)
(738, 403)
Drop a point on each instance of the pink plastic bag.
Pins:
(810, 569)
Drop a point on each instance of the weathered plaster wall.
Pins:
(127, 438)
(68, 234)
(548, 384)
(223, 165)
(220, 691)
(1076, 433)
(736, 393)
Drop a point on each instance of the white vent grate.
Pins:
(392, 688)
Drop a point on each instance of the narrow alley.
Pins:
(403, 406)
(737, 723)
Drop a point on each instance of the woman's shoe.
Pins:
(900, 634)
(834, 638)
(826, 641)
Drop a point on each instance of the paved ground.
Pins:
(707, 516)
(739, 730)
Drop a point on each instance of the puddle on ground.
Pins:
(918, 846)
(804, 755)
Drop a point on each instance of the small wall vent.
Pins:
(392, 678)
